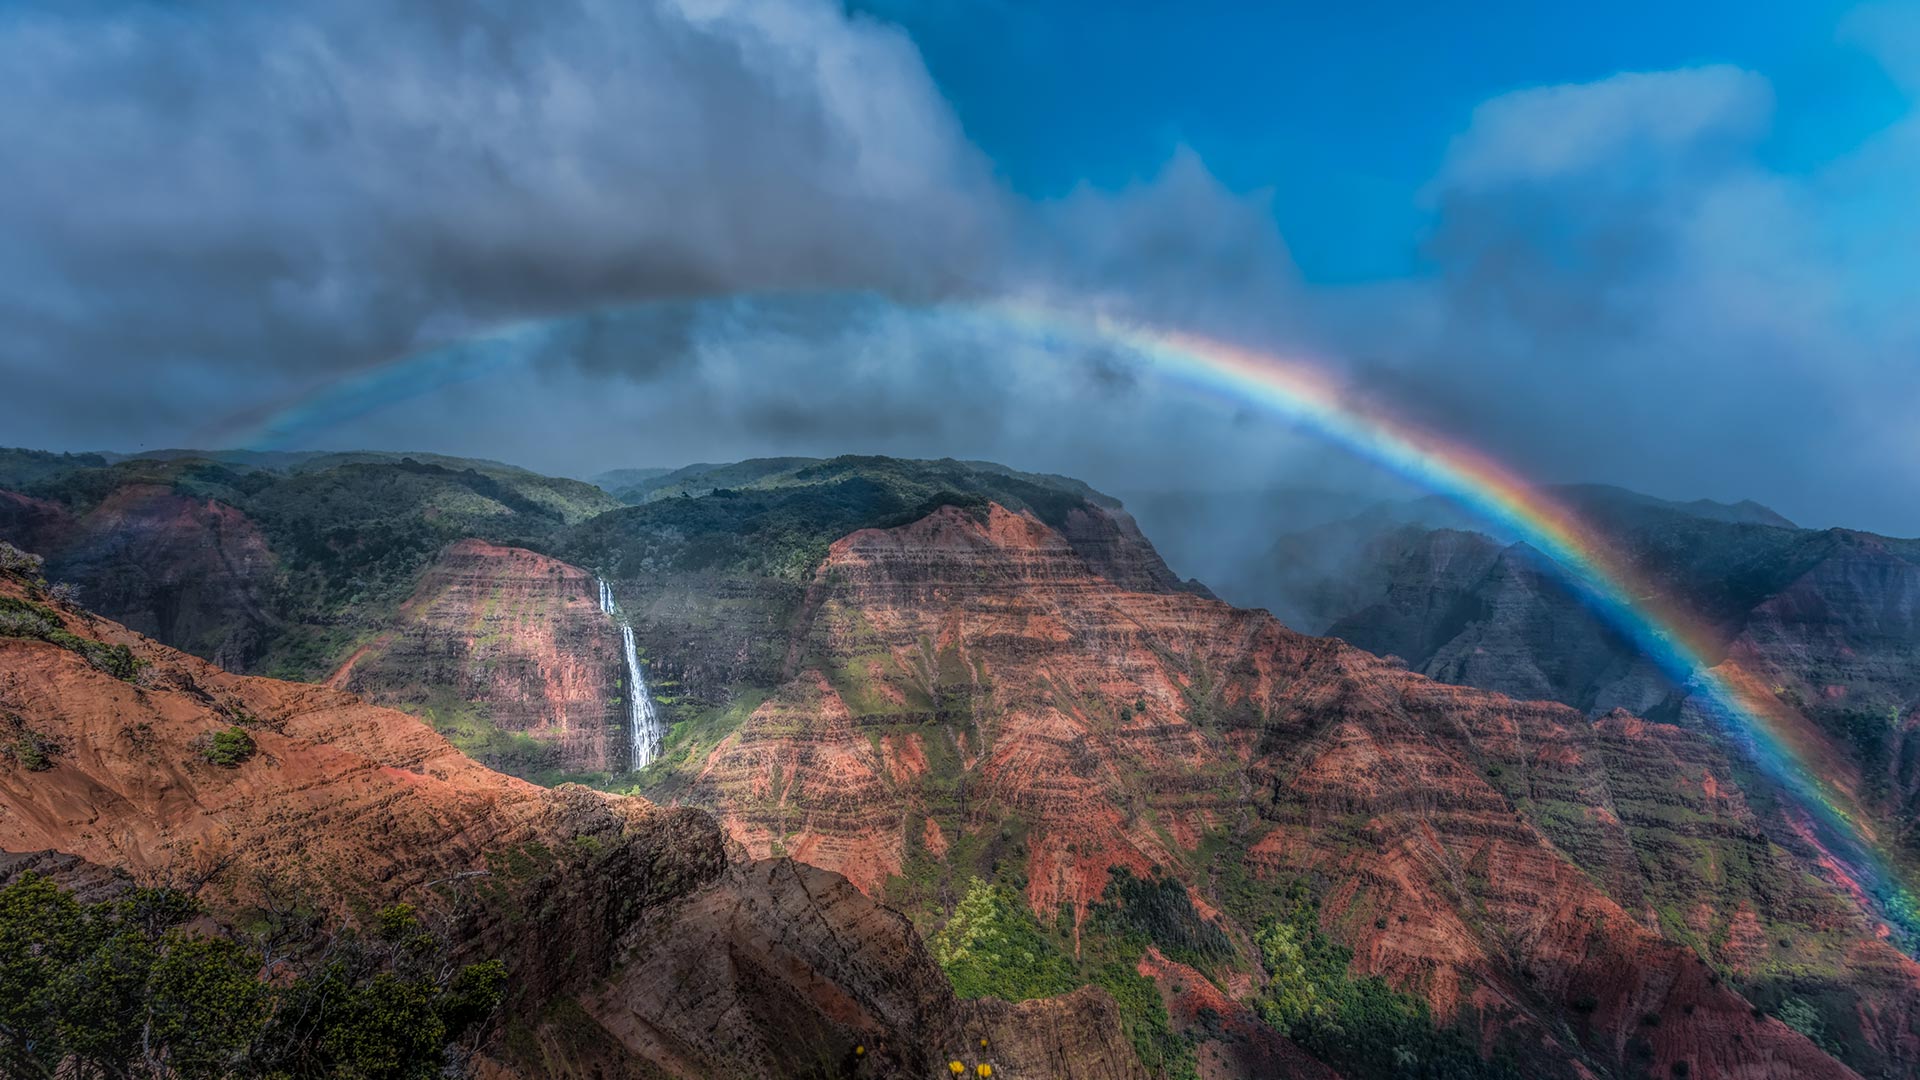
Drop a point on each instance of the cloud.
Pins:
(251, 200)
(1619, 124)
(1623, 288)
(312, 184)
(213, 206)
(1180, 249)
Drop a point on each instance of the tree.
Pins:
(120, 988)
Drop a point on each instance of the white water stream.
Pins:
(643, 723)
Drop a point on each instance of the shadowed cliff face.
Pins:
(1828, 618)
(968, 697)
(192, 571)
(628, 927)
(1842, 640)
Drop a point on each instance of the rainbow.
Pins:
(1775, 739)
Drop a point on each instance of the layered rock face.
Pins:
(634, 914)
(509, 640)
(967, 694)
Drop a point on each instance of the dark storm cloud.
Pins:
(301, 187)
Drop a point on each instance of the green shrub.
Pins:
(32, 754)
(994, 947)
(15, 561)
(103, 989)
(1801, 1016)
(1360, 1025)
(30, 749)
(229, 748)
(1159, 910)
(26, 619)
(1144, 1017)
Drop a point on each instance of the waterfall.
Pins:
(643, 723)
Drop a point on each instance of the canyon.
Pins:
(629, 928)
(882, 686)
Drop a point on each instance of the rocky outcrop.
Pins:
(1074, 1036)
(89, 882)
(967, 684)
(1109, 541)
(506, 640)
(638, 945)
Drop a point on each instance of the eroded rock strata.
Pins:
(670, 956)
(498, 639)
(968, 694)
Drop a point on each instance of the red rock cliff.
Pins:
(679, 959)
(969, 681)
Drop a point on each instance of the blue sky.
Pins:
(1345, 111)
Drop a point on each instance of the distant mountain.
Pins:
(1323, 570)
(1618, 504)
(702, 477)
(1831, 618)
(266, 570)
(416, 580)
(615, 480)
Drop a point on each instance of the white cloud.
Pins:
(1549, 132)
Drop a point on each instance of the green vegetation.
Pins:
(910, 476)
(26, 619)
(1821, 1006)
(1143, 1016)
(22, 563)
(228, 748)
(350, 533)
(359, 533)
(21, 469)
(779, 523)
(992, 946)
(30, 749)
(1159, 910)
(1797, 1014)
(122, 988)
(1361, 1026)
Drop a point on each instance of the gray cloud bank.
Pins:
(212, 207)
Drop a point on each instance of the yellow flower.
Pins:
(956, 1068)
(859, 1050)
(985, 1069)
